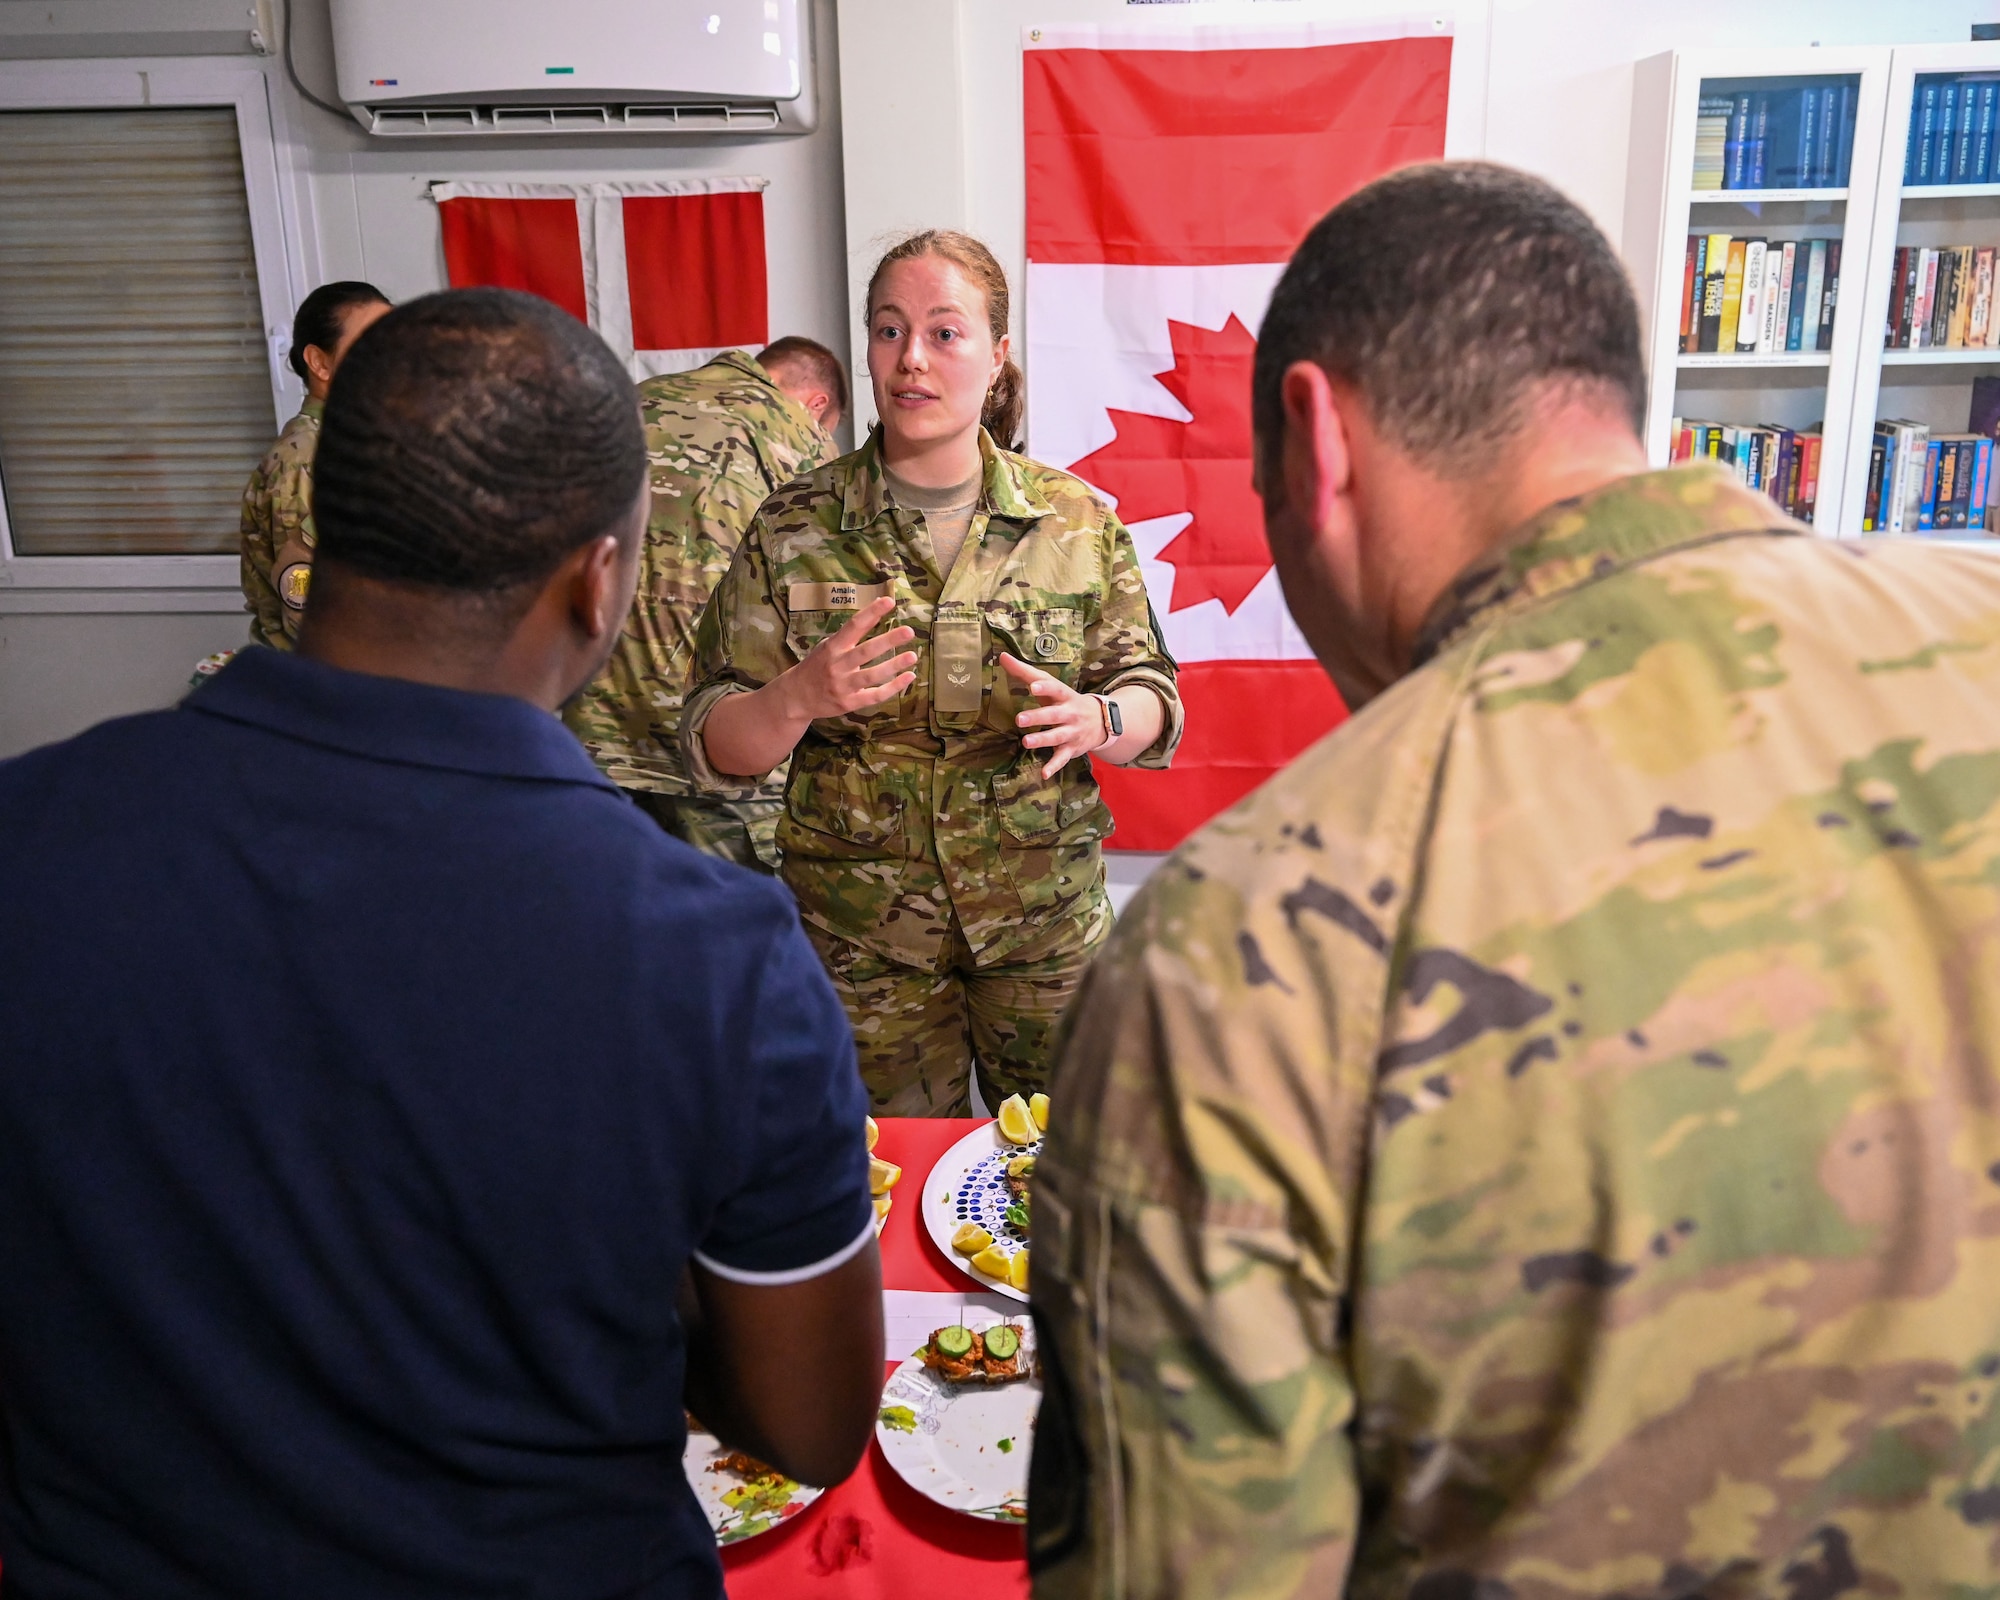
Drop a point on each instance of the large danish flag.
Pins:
(1170, 173)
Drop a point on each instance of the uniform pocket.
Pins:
(804, 629)
(845, 804)
(1028, 805)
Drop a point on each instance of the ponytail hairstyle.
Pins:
(1007, 399)
(322, 318)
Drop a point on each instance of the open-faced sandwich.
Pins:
(958, 1355)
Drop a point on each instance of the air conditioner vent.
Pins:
(739, 117)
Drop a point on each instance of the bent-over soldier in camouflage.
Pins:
(1545, 1144)
(277, 531)
(953, 890)
(720, 438)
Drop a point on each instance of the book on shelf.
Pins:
(1953, 122)
(1895, 469)
(1782, 463)
(1782, 138)
(1757, 296)
(1942, 299)
(1711, 138)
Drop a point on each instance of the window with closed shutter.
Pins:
(135, 394)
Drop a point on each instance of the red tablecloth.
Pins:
(874, 1537)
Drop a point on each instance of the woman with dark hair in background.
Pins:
(942, 826)
(277, 525)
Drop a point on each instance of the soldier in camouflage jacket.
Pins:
(923, 842)
(1545, 1144)
(720, 439)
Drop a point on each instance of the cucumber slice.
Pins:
(1017, 1214)
(1003, 1342)
(954, 1341)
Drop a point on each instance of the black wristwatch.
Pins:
(1114, 719)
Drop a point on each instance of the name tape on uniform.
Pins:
(832, 596)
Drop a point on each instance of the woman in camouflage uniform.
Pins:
(941, 825)
(277, 526)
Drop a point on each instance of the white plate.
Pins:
(737, 1509)
(964, 1445)
(966, 1186)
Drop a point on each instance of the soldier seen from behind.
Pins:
(278, 534)
(719, 439)
(1546, 1142)
(941, 826)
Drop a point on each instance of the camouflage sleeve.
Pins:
(739, 645)
(257, 547)
(1124, 647)
(293, 534)
(1198, 1199)
(1190, 1270)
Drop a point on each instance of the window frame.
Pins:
(277, 249)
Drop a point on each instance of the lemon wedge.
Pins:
(874, 1132)
(882, 1175)
(970, 1239)
(1017, 1272)
(1038, 1108)
(882, 1203)
(1017, 1122)
(993, 1262)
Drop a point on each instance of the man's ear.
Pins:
(599, 593)
(1315, 462)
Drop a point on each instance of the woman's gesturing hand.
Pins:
(842, 673)
(1066, 724)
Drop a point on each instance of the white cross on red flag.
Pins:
(670, 273)
(1170, 174)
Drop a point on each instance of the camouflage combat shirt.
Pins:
(278, 533)
(719, 440)
(1546, 1142)
(927, 809)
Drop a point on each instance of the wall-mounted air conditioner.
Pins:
(575, 66)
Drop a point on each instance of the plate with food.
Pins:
(958, 1418)
(740, 1495)
(978, 1199)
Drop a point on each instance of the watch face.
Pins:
(1117, 717)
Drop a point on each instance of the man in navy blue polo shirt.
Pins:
(395, 1125)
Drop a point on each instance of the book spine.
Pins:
(1788, 472)
(1941, 298)
(1760, 139)
(1732, 294)
(1809, 478)
(1770, 303)
(1780, 316)
(1712, 293)
(1961, 484)
(1923, 137)
(1831, 300)
(1982, 144)
(1916, 442)
(1871, 508)
(1735, 152)
(1807, 152)
(1982, 483)
(1946, 137)
(1962, 291)
(1691, 292)
(1895, 331)
(1829, 136)
(1889, 518)
(1801, 277)
(1966, 138)
(1927, 503)
(1920, 312)
(1843, 153)
(1750, 311)
(1815, 288)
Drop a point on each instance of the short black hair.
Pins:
(473, 439)
(1452, 296)
(322, 317)
(812, 358)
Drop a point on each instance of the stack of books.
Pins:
(1782, 462)
(1758, 296)
(1942, 299)
(1792, 138)
(1952, 123)
(1920, 483)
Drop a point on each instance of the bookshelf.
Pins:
(1931, 386)
(1812, 384)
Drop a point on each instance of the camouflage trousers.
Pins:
(742, 831)
(921, 1034)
